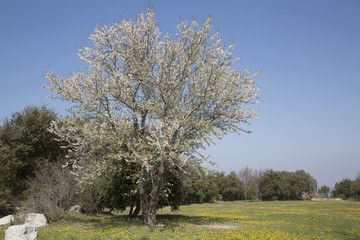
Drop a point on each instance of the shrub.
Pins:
(52, 191)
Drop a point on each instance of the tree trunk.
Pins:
(134, 213)
(148, 203)
(131, 210)
(137, 210)
(149, 200)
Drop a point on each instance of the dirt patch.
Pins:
(217, 226)
(327, 199)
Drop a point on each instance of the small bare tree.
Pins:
(52, 191)
(250, 178)
(255, 181)
(244, 176)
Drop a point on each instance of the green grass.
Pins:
(222, 220)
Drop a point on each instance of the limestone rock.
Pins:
(75, 208)
(36, 218)
(6, 220)
(26, 231)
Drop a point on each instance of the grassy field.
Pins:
(222, 220)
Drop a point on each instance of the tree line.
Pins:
(34, 173)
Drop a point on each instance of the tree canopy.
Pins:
(24, 142)
(276, 185)
(347, 189)
(324, 191)
(151, 100)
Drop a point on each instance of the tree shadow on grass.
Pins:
(164, 221)
(195, 220)
(101, 219)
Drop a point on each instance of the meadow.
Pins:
(221, 220)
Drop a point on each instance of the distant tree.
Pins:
(304, 182)
(211, 186)
(231, 188)
(251, 193)
(24, 142)
(249, 177)
(245, 177)
(270, 185)
(355, 189)
(201, 186)
(153, 100)
(286, 185)
(255, 182)
(220, 182)
(194, 182)
(347, 189)
(324, 191)
(342, 189)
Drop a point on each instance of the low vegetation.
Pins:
(220, 220)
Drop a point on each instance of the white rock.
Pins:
(6, 220)
(75, 208)
(26, 231)
(36, 218)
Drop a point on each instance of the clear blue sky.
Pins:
(309, 53)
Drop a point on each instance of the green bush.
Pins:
(24, 142)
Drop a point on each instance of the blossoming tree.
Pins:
(150, 101)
